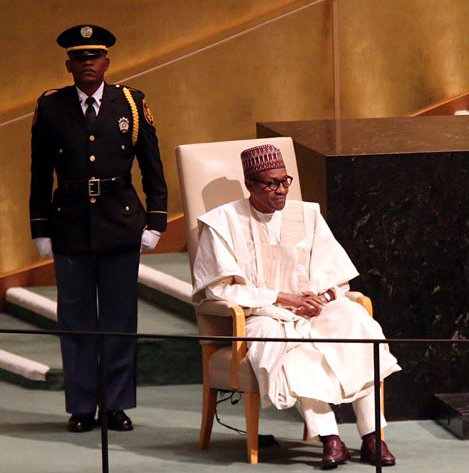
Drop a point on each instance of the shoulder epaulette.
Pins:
(49, 92)
(134, 90)
(127, 87)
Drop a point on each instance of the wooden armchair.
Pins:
(210, 175)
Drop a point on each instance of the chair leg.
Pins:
(251, 409)
(208, 414)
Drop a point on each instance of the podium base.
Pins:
(452, 412)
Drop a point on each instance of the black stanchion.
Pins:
(377, 383)
(103, 404)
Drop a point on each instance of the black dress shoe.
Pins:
(368, 451)
(81, 422)
(334, 452)
(118, 420)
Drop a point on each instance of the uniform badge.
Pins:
(124, 125)
(86, 31)
(147, 113)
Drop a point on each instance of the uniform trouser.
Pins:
(98, 292)
(320, 418)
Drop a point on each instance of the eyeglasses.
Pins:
(275, 184)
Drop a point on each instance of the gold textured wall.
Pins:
(397, 56)
(211, 69)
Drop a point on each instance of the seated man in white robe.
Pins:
(279, 260)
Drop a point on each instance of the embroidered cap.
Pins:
(261, 158)
(86, 40)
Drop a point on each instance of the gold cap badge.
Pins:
(86, 31)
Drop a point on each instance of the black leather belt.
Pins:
(95, 187)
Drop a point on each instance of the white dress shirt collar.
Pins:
(98, 97)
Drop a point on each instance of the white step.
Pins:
(165, 283)
(19, 365)
(150, 277)
(33, 302)
(47, 307)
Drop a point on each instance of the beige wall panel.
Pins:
(397, 56)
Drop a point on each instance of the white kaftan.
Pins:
(248, 257)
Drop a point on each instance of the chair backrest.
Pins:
(211, 174)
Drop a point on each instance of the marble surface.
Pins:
(452, 412)
(403, 218)
(372, 136)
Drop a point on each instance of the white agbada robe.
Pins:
(248, 258)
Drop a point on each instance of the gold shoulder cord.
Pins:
(133, 109)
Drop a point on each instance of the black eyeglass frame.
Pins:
(274, 184)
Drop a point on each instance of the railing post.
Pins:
(103, 404)
(377, 383)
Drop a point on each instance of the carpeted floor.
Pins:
(33, 438)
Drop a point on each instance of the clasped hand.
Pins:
(306, 304)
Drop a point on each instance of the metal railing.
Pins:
(102, 366)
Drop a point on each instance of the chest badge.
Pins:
(124, 124)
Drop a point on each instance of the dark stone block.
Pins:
(452, 412)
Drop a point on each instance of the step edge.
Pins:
(22, 366)
(165, 283)
(34, 302)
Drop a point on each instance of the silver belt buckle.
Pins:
(94, 187)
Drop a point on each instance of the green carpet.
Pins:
(174, 264)
(33, 438)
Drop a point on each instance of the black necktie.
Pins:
(90, 114)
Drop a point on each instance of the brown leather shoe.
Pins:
(368, 451)
(334, 452)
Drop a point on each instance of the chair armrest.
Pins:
(238, 348)
(361, 299)
(217, 308)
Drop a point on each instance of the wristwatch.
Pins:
(327, 296)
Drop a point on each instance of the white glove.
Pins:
(44, 246)
(149, 240)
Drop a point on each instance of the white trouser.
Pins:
(320, 418)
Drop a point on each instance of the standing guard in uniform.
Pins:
(94, 224)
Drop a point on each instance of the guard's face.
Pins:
(263, 198)
(87, 71)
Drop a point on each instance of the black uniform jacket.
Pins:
(62, 142)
